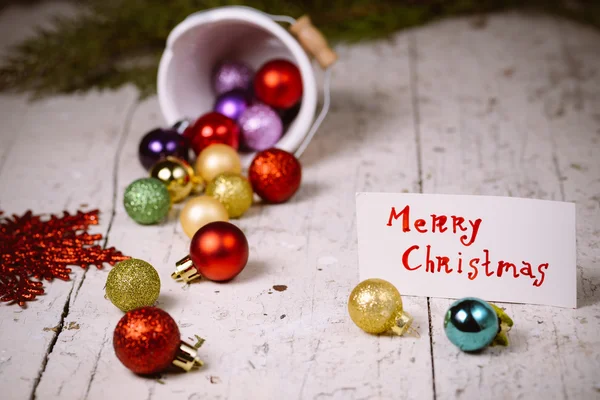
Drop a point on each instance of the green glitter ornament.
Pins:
(132, 284)
(147, 201)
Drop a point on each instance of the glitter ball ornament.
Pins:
(147, 201)
(472, 324)
(218, 252)
(230, 75)
(160, 143)
(213, 128)
(200, 211)
(132, 284)
(278, 83)
(216, 159)
(375, 306)
(233, 191)
(275, 175)
(177, 175)
(261, 127)
(147, 340)
(232, 104)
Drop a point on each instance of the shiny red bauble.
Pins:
(146, 340)
(275, 175)
(278, 84)
(210, 128)
(219, 251)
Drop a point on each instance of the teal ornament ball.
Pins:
(471, 324)
(147, 201)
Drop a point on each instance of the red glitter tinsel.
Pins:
(32, 249)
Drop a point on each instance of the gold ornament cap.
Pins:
(186, 357)
(185, 270)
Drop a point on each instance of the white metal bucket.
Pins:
(204, 39)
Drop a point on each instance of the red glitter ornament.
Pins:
(31, 248)
(213, 128)
(278, 84)
(218, 252)
(275, 175)
(147, 340)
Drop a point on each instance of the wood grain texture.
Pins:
(507, 108)
(503, 113)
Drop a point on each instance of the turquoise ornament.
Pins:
(147, 201)
(471, 324)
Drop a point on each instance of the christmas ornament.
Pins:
(278, 83)
(199, 211)
(177, 175)
(32, 249)
(232, 104)
(275, 175)
(159, 143)
(472, 324)
(132, 284)
(212, 128)
(216, 159)
(261, 127)
(147, 201)
(375, 306)
(147, 340)
(181, 126)
(233, 190)
(231, 75)
(218, 252)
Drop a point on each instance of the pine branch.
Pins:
(111, 43)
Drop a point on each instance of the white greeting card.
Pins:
(497, 248)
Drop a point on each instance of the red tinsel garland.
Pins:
(32, 249)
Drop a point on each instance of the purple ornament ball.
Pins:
(160, 143)
(261, 127)
(232, 104)
(231, 75)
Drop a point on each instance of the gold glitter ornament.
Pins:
(233, 191)
(177, 175)
(132, 284)
(375, 306)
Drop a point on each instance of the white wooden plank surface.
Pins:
(507, 109)
(503, 112)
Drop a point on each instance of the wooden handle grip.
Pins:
(313, 41)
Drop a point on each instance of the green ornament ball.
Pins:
(132, 284)
(471, 324)
(147, 201)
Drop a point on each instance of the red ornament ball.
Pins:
(219, 251)
(212, 128)
(278, 84)
(275, 175)
(146, 340)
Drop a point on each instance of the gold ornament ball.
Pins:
(375, 306)
(233, 191)
(199, 211)
(216, 159)
(132, 284)
(177, 175)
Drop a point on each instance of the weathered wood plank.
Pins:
(493, 121)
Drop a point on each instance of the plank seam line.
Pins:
(59, 329)
(414, 90)
(116, 163)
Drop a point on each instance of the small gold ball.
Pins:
(233, 191)
(132, 284)
(199, 211)
(216, 159)
(375, 305)
(177, 175)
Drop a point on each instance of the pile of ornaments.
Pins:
(249, 114)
